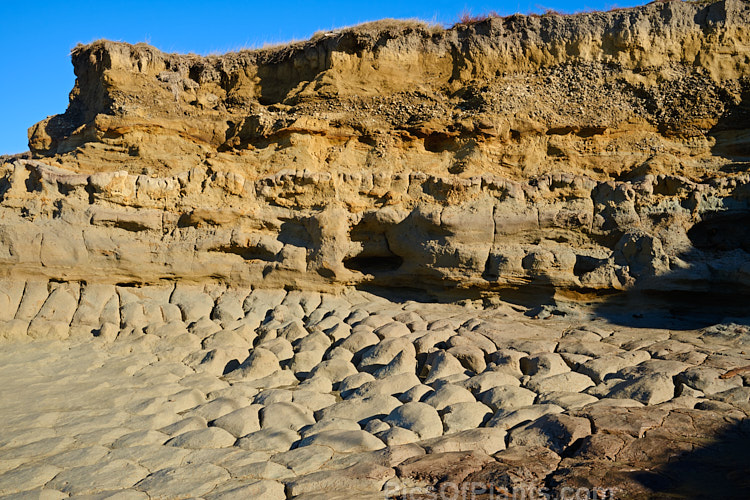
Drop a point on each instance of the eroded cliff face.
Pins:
(576, 154)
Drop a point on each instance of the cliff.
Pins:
(576, 155)
(388, 262)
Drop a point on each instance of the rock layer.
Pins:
(588, 153)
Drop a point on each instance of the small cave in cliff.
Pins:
(295, 233)
(722, 232)
(437, 143)
(376, 257)
(585, 264)
(247, 253)
(373, 264)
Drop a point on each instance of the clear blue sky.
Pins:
(37, 36)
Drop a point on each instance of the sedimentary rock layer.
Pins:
(594, 152)
(559, 230)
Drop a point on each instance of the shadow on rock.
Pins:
(719, 469)
(732, 140)
(711, 289)
(690, 454)
(673, 310)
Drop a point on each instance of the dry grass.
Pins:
(467, 18)
(374, 27)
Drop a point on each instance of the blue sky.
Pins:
(37, 37)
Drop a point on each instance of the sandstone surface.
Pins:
(392, 261)
(581, 154)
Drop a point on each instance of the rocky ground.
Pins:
(209, 392)
(184, 255)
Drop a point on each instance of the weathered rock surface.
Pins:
(109, 414)
(319, 165)
(184, 259)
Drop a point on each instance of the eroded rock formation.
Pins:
(187, 257)
(595, 152)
